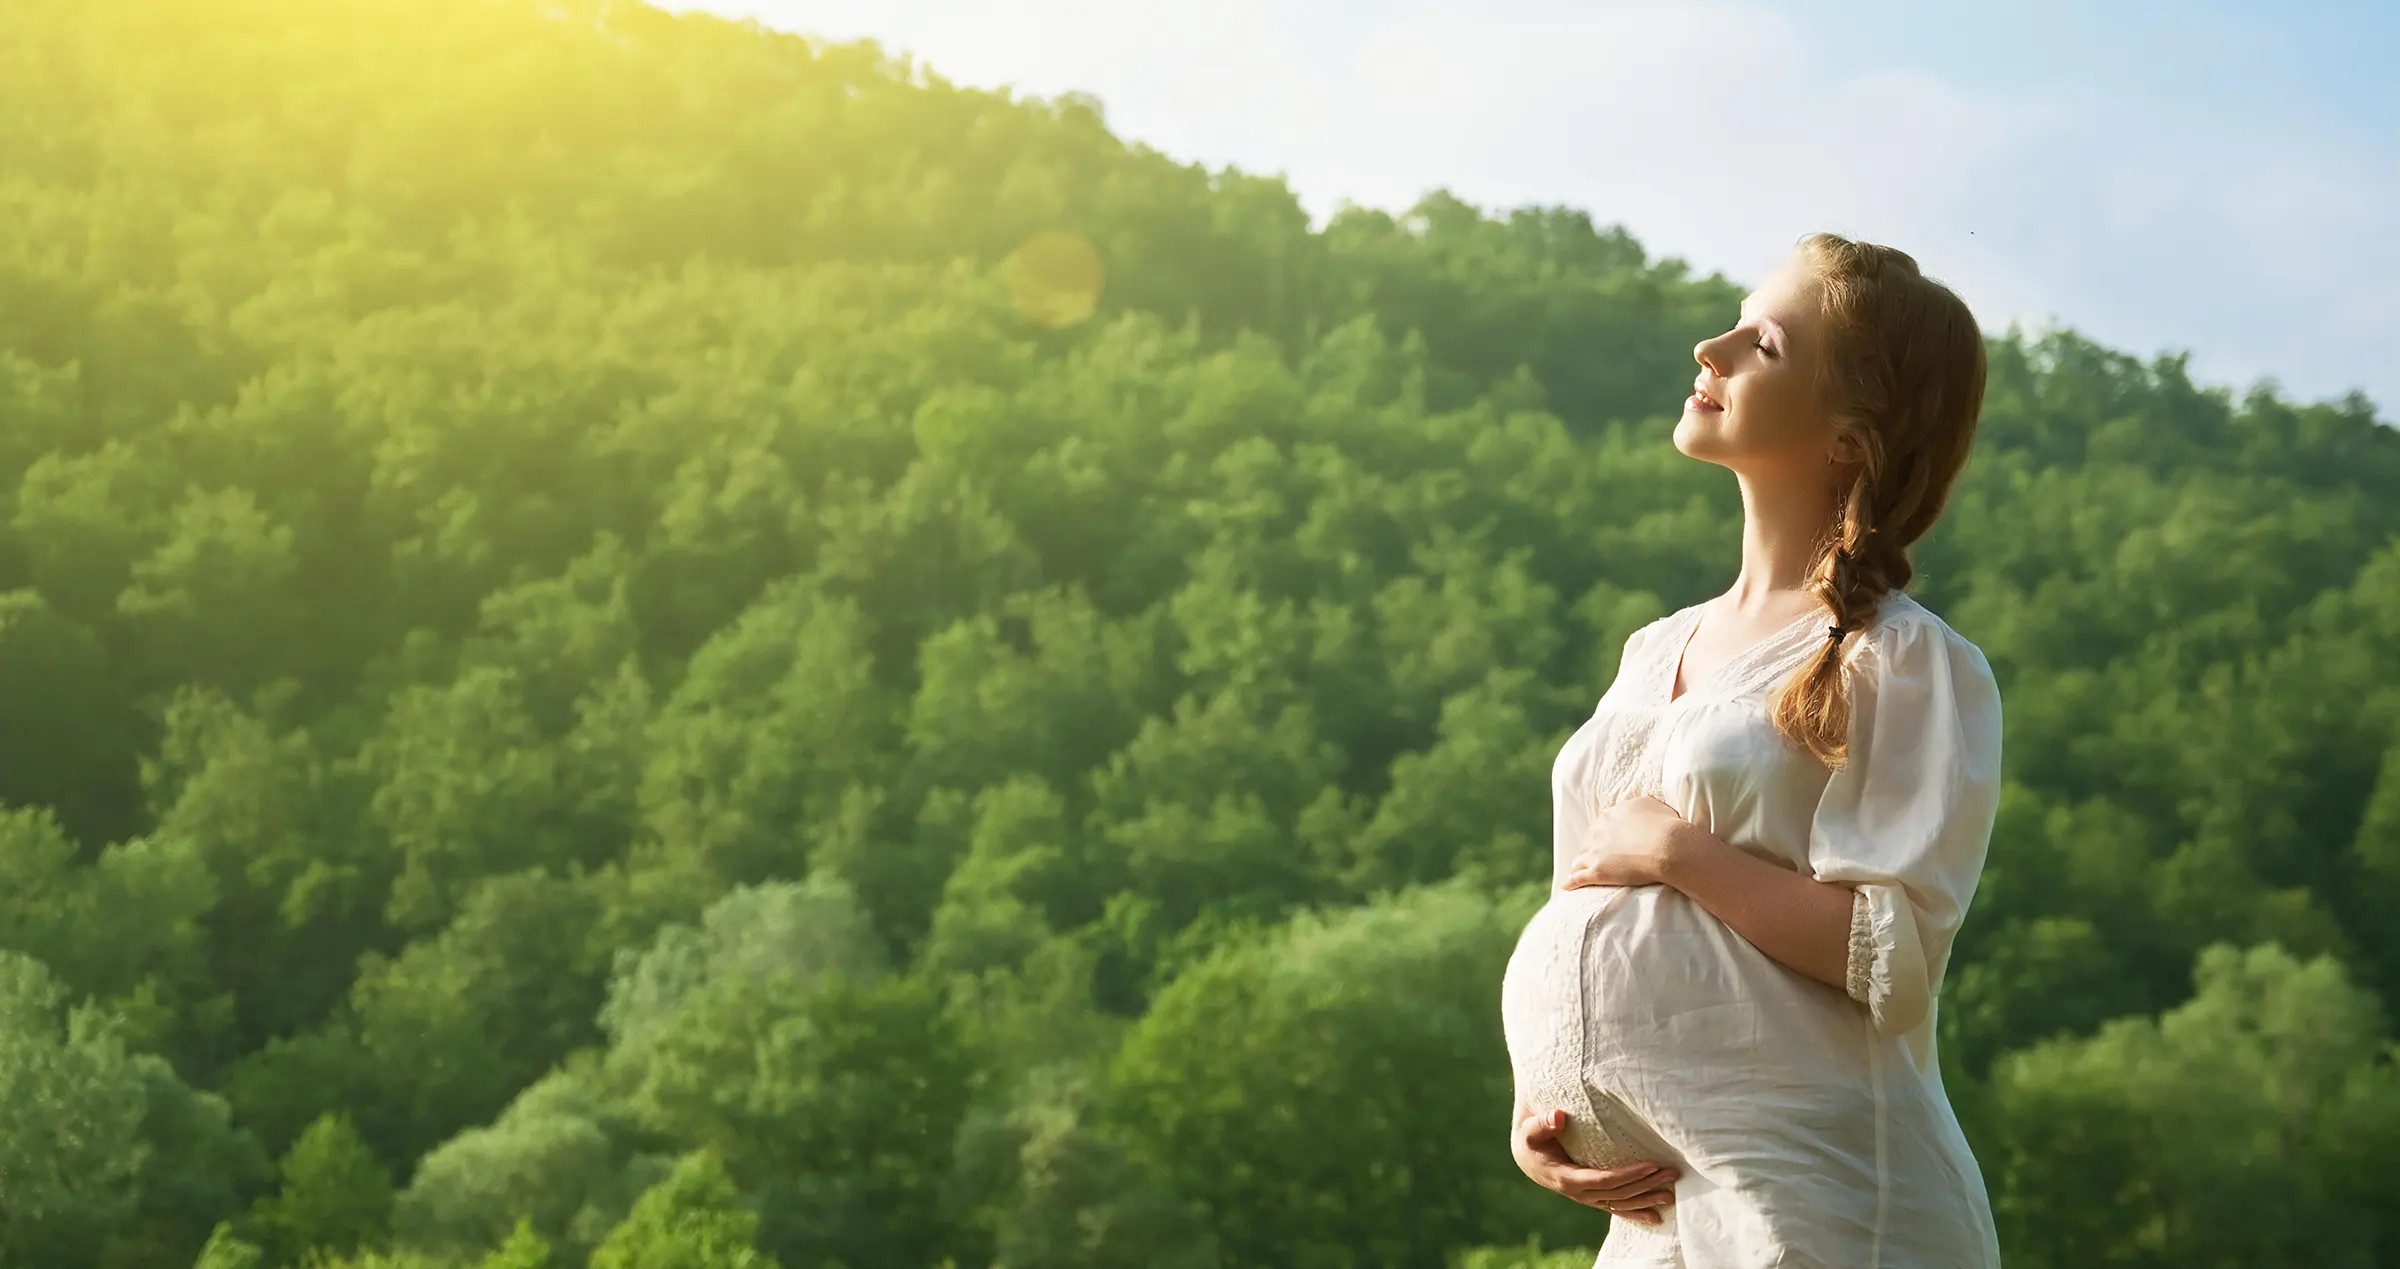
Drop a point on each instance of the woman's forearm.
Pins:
(1795, 918)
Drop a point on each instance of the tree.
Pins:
(1060, 1194)
(837, 1101)
(1249, 1063)
(523, 1250)
(553, 1162)
(67, 730)
(224, 1251)
(694, 1219)
(2275, 1076)
(102, 1150)
(335, 1196)
(73, 1105)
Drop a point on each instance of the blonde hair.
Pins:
(1902, 370)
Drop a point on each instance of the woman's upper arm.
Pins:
(1908, 820)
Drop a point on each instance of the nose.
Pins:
(1704, 352)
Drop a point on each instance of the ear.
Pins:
(1844, 448)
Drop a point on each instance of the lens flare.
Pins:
(1055, 277)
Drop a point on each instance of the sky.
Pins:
(2206, 177)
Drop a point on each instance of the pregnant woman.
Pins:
(1721, 1023)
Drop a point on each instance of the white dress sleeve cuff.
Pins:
(1886, 971)
(1862, 948)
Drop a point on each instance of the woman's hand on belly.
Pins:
(1629, 844)
(1798, 920)
(1632, 1191)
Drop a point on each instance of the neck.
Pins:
(1782, 520)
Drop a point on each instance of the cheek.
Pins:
(1774, 414)
(1747, 427)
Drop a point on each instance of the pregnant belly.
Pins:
(1621, 1005)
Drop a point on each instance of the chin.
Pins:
(1701, 437)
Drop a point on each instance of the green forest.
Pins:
(632, 641)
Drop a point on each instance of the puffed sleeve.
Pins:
(1909, 820)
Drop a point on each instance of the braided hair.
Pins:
(1903, 375)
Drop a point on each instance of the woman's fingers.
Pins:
(1590, 876)
(1663, 1196)
(1542, 1131)
(1639, 1216)
(1615, 1182)
(1636, 1184)
(1625, 1181)
(1541, 1137)
(1661, 1180)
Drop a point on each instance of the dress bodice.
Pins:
(1712, 753)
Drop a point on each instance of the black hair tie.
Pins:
(1835, 632)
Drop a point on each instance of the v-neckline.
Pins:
(1691, 628)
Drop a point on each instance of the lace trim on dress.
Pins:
(1628, 768)
(1765, 664)
(1634, 763)
(1859, 981)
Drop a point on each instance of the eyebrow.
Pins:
(1769, 323)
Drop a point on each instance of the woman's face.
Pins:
(1760, 376)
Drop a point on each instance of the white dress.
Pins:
(1808, 1123)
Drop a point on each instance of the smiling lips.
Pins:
(1700, 400)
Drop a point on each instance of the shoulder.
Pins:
(1658, 627)
(1909, 646)
(1905, 627)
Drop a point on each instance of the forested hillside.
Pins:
(631, 641)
